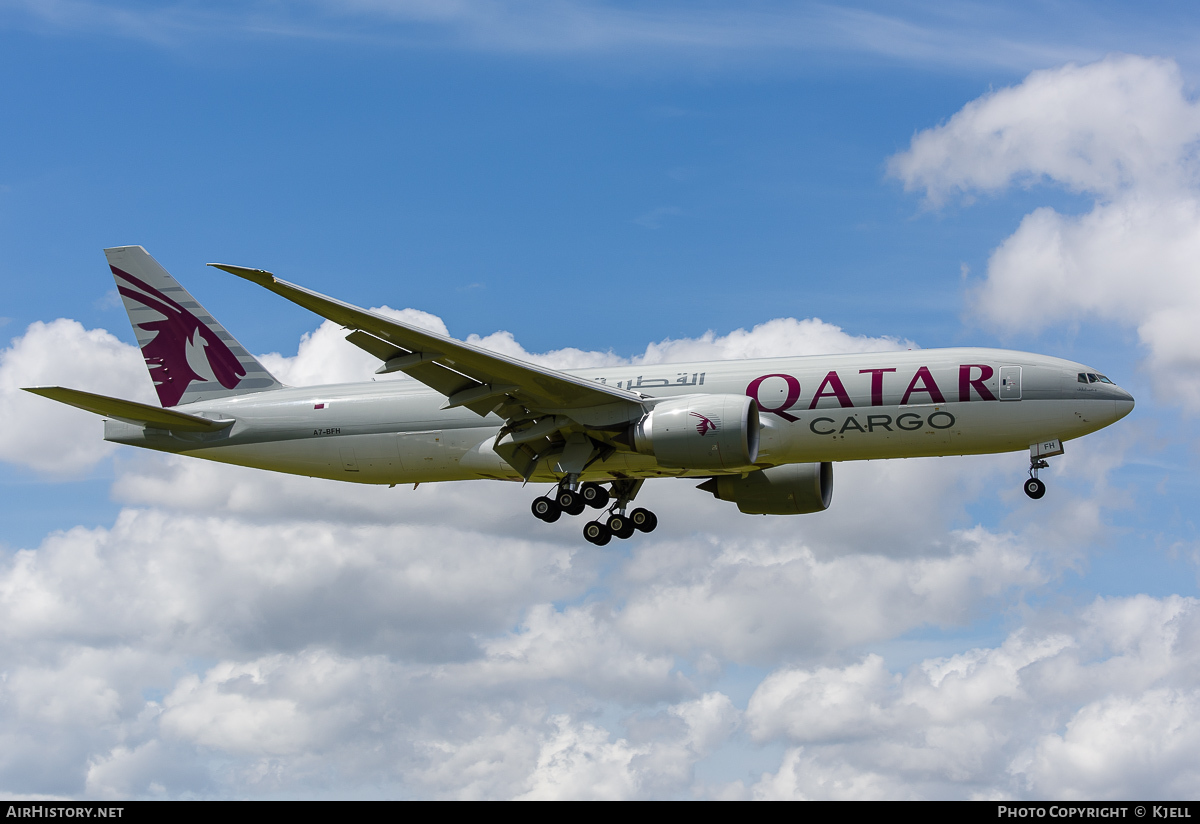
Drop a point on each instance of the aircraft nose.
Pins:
(1123, 404)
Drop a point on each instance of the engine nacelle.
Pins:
(700, 432)
(792, 489)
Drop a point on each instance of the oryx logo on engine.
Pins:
(705, 424)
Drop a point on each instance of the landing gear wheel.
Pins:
(594, 495)
(570, 502)
(643, 519)
(597, 533)
(1035, 488)
(620, 526)
(546, 509)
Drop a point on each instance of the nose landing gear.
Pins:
(1034, 488)
(1038, 453)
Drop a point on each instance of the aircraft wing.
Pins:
(467, 375)
(133, 412)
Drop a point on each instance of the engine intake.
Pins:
(792, 489)
(700, 432)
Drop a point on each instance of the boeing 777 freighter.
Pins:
(763, 432)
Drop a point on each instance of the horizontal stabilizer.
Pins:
(132, 412)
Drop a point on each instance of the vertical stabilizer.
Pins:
(190, 356)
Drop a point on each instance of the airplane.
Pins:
(762, 433)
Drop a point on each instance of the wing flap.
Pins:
(372, 345)
(139, 414)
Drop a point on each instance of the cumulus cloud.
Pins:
(222, 584)
(1102, 705)
(749, 601)
(1123, 132)
(324, 356)
(1120, 746)
(773, 339)
(1099, 128)
(317, 684)
(48, 436)
(580, 760)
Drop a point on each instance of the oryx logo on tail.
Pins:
(189, 355)
(183, 348)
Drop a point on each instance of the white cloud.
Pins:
(806, 778)
(1122, 131)
(575, 645)
(752, 600)
(1102, 705)
(324, 356)
(773, 339)
(1120, 746)
(225, 586)
(48, 436)
(821, 704)
(580, 762)
(1101, 128)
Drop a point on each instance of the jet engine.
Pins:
(792, 489)
(700, 432)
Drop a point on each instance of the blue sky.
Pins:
(603, 176)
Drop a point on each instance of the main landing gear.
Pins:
(573, 497)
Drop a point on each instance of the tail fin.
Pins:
(190, 356)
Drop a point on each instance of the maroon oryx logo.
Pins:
(705, 425)
(177, 332)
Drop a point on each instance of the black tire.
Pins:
(643, 519)
(595, 495)
(620, 526)
(1034, 488)
(570, 502)
(546, 509)
(597, 533)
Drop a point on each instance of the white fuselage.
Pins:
(814, 408)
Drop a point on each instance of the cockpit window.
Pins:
(1105, 380)
(1093, 377)
(1082, 377)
